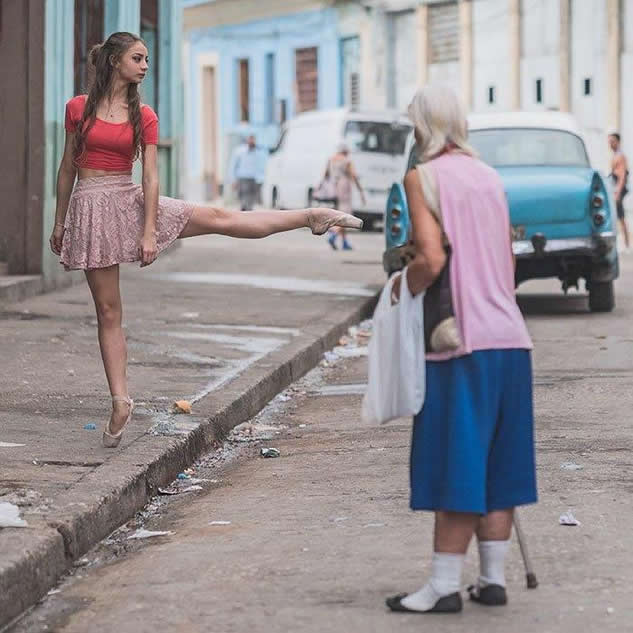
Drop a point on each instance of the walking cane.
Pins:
(530, 576)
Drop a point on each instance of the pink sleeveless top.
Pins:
(477, 222)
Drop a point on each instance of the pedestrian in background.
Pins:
(246, 173)
(104, 219)
(340, 171)
(620, 177)
(472, 452)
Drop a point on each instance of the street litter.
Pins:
(192, 489)
(374, 525)
(219, 523)
(570, 466)
(610, 610)
(282, 397)
(52, 592)
(190, 315)
(10, 516)
(568, 518)
(168, 491)
(181, 406)
(71, 372)
(90, 427)
(10, 445)
(143, 533)
(270, 452)
(184, 476)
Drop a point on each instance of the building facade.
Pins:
(45, 43)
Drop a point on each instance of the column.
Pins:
(613, 69)
(514, 29)
(565, 55)
(422, 26)
(466, 51)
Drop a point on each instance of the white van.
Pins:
(377, 143)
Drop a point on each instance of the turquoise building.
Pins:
(247, 76)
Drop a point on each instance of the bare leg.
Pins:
(453, 531)
(496, 526)
(206, 220)
(625, 231)
(104, 286)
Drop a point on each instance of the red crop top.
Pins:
(108, 146)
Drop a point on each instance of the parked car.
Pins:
(560, 206)
(377, 143)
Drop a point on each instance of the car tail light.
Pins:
(395, 229)
(597, 201)
(599, 218)
(395, 213)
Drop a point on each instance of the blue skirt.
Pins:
(473, 442)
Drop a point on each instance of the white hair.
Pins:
(439, 119)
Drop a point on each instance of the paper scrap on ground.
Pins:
(567, 518)
(570, 466)
(9, 445)
(10, 516)
(219, 523)
(192, 488)
(181, 406)
(143, 533)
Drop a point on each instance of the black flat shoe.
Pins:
(448, 604)
(490, 595)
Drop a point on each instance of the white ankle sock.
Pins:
(492, 556)
(446, 578)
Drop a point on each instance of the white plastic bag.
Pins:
(396, 381)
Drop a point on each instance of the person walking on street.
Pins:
(245, 173)
(472, 451)
(340, 170)
(620, 177)
(104, 219)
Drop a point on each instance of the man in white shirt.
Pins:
(245, 173)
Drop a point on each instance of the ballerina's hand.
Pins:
(320, 220)
(148, 250)
(57, 237)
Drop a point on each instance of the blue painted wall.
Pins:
(255, 40)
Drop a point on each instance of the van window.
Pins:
(378, 137)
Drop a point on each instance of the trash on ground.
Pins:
(270, 452)
(10, 445)
(71, 372)
(190, 315)
(82, 562)
(570, 466)
(90, 427)
(143, 533)
(374, 525)
(10, 516)
(184, 476)
(302, 426)
(192, 489)
(219, 523)
(181, 406)
(610, 610)
(283, 397)
(52, 592)
(567, 518)
(189, 471)
(169, 491)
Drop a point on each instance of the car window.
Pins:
(376, 137)
(522, 146)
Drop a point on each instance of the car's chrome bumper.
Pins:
(596, 245)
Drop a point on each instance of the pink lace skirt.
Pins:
(105, 220)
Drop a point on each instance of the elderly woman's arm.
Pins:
(427, 238)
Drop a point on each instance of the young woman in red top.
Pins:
(104, 219)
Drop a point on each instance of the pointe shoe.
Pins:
(112, 440)
(321, 220)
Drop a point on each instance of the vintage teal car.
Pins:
(560, 207)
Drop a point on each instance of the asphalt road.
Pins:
(315, 539)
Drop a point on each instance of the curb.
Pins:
(111, 495)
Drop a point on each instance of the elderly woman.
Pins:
(472, 453)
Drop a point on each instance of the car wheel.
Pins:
(601, 296)
(275, 199)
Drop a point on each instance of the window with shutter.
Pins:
(443, 33)
(244, 92)
(307, 76)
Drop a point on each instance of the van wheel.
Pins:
(601, 296)
(275, 199)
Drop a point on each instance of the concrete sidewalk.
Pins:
(222, 323)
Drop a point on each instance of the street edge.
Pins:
(100, 511)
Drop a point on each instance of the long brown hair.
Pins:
(102, 58)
